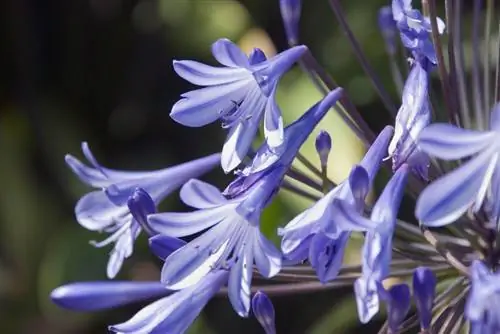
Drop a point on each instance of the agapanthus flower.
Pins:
(108, 210)
(415, 29)
(450, 196)
(413, 116)
(316, 234)
(263, 309)
(377, 248)
(240, 94)
(233, 239)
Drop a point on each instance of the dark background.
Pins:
(100, 71)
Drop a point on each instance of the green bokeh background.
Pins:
(100, 71)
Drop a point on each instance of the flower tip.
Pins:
(263, 310)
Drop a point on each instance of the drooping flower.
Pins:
(413, 116)
(290, 13)
(424, 291)
(377, 248)
(121, 194)
(233, 239)
(481, 308)
(176, 312)
(315, 233)
(263, 309)
(450, 196)
(415, 30)
(240, 94)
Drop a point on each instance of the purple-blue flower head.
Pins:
(263, 309)
(424, 291)
(290, 12)
(377, 248)
(101, 295)
(299, 234)
(483, 300)
(240, 94)
(450, 196)
(176, 312)
(415, 30)
(108, 210)
(413, 116)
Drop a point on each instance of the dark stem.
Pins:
(476, 62)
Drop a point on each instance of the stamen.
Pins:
(339, 13)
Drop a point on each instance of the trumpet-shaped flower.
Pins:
(111, 208)
(240, 94)
(413, 116)
(377, 248)
(316, 233)
(451, 195)
(415, 30)
(233, 239)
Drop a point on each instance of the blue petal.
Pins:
(447, 198)
(140, 205)
(326, 255)
(189, 264)
(263, 310)
(206, 75)
(290, 12)
(359, 184)
(367, 299)
(345, 218)
(88, 175)
(95, 211)
(229, 54)
(175, 313)
(163, 245)
(448, 142)
(296, 248)
(93, 296)
(240, 280)
(377, 151)
(398, 305)
(180, 224)
(495, 118)
(201, 195)
(206, 105)
(257, 56)
(273, 123)
(267, 257)
(424, 291)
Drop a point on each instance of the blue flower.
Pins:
(415, 30)
(377, 248)
(316, 233)
(450, 196)
(424, 291)
(233, 239)
(482, 304)
(239, 94)
(413, 116)
(290, 12)
(323, 145)
(101, 295)
(397, 299)
(176, 312)
(108, 209)
(263, 310)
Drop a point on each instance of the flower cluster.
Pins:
(218, 247)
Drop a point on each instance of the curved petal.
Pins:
(203, 106)
(229, 54)
(267, 257)
(86, 174)
(101, 295)
(326, 255)
(448, 142)
(447, 198)
(201, 195)
(398, 305)
(273, 123)
(263, 309)
(240, 280)
(189, 264)
(367, 299)
(180, 224)
(95, 211)
(163, 245)
(295, 249)
(345, 218)
(373, 157)
(206, 75)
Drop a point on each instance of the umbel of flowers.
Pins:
(446, 259)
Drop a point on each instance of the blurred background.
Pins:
(100, 71)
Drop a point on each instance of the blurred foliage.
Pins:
(100, 71)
